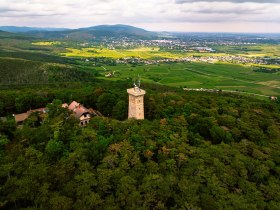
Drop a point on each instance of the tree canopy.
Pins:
(193, 151)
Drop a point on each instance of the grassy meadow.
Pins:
(200, 75)
(251, 50)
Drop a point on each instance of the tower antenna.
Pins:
(134, 84)
(139, 83)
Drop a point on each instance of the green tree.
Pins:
(219, 135)
(55, 109)
(105, 103)
(54, 149)
(120, 110)
(3, 142)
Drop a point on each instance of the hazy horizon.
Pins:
(232, 16)
(59, 28)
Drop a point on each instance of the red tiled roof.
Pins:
(80, 110)
(73, 105)
(21, 117)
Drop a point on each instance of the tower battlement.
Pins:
(136, 91)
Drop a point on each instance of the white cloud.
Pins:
(233, 1)
(151, 14)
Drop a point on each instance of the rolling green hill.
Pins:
(23, 72)
(4, 34)
(8, 35)
(97, 32)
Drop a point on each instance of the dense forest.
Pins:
(193, 151)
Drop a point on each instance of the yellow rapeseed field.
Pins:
(46, 43)
(143, 53)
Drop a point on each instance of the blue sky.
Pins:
(156, 15)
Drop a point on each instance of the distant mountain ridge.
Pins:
(118, 31)
(89, 33)
(23, 29)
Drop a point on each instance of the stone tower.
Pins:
(136, 103)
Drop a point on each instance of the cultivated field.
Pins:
(143, 53)
(200, 75)
(151, 53)
(46, 43)
(251, 50)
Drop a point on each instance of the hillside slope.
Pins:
(20, 72)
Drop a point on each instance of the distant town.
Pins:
(205, 49)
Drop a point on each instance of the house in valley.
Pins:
(81, 113)
(78, 110)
